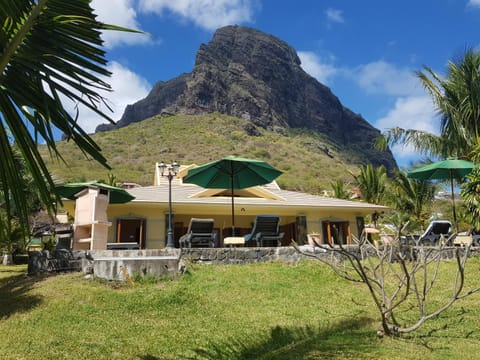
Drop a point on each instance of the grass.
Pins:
(259, 311)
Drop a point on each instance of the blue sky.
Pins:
(365, 51)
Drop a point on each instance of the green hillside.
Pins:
(310, 161)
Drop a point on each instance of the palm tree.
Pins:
(49, 50)
(11, 231)
(471, 198)
(371, 182)
(339, 191)
(457, 100)
(411, 197)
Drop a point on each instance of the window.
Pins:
(131, 231)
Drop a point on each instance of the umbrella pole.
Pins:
(233, 211)
(453, 204)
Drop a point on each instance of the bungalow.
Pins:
(144, 221)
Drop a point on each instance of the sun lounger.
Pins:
(266, 231)
(200, 234)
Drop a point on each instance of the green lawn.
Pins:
(261, 311)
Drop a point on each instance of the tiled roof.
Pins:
(184, 193)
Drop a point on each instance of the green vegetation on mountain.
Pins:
(310, 160)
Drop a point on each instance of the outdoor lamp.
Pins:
(46, 236)
(162, 167)
(172, 171)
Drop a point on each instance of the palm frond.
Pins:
(457, 101)
(50, 49)
(422, 141)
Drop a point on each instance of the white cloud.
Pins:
(208, 14)
(380, 77)
(334, 15)
(414, 112)
(121, 13)
(474, 3)
(313, 65)
(128, 88)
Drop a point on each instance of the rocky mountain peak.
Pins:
(246, 73)
(246, 46)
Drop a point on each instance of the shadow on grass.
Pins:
(14, 294)
(341, 339)
(441, 337)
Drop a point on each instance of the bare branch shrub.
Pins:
(403, 280)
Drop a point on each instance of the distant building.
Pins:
(356, 194)
(129, 185)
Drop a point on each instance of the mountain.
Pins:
(251, 75)
(310, 160)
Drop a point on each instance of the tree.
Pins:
(12, 234)
(112, 180)
(411, 197)
(457, 100)
(371, 182)
(471, 198)
(403, 281)
(50, 49)
(339, 190)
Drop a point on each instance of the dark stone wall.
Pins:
(65, 260)
(55, 261)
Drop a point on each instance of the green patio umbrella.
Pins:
(449, 169)
(232, 173)
(117, 195)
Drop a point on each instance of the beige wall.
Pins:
(155, 216)
(155, 222)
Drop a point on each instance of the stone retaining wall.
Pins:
(65, 260)
(54, 261)
(121, 268)
(227, 256)
(218, 256)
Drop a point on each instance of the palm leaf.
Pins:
(50, 49)
(457, 101)
(422, 141)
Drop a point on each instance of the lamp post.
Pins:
(171, 172)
